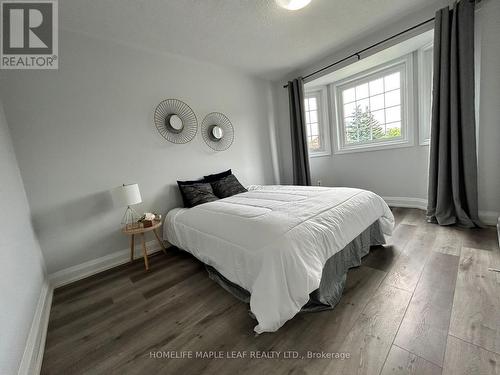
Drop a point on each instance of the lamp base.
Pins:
(130, 218)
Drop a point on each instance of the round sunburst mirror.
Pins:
(217, 131)
(175, 121)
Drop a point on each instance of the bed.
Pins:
(274, 242)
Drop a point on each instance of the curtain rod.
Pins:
(357, 54)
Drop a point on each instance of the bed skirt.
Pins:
(334, 273)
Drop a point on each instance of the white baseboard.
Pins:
(487, 217)
(406, 202)
(81, 271)
(31, 362)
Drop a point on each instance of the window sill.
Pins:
(374, 147)
(319, 154)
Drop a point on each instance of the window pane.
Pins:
(363, 127)
(349, 109)
(393, 130)
(392, 81)
(392, 98)
(393, 114)
(396, 124)
(350, 139)
(377, 86)
(348, 95)
(313, 116)
(376, 102)
(363, 104)
(314, 143)
(379, 116)
(351, 133)
(314, 122)
(308, 130)
(362, 91)
(314, 129)
(312, 104)
(348, 121)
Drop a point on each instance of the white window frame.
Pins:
(403, 64)
(324, 124)
(425, 87)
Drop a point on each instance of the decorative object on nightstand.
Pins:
(217, 131)
(128, 195)
(175, 121)
(140, 230)
(148, 219)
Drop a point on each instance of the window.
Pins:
(425, 65)
(373, 108)
(312, 123)
(318, 136)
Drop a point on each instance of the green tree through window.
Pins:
(392, 133)
(363, 127)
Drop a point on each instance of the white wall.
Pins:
(88, 127)
(407, 172)
(23, 270)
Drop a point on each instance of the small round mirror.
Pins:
(175, 123)
(217, 132)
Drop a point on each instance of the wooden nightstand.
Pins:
(141, 231)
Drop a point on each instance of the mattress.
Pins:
(274, 241)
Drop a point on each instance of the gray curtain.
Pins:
(452, 195)
(300, 157)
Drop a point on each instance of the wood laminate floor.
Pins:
(423, 304)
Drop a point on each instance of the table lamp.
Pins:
(127, 195)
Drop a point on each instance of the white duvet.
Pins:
(274, 240)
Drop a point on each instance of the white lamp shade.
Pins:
(126, 195)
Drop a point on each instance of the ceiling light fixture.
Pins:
(293, 4)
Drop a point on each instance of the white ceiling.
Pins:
(255, 36)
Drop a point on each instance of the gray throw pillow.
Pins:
(227, 186)
(197, 193)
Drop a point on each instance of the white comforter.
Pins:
(274, 240)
